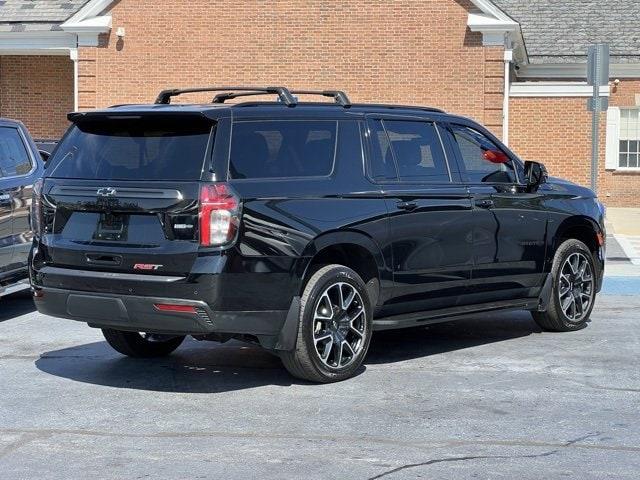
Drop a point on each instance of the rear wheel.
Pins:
(574, 289)
(141, 345)
(334, 328)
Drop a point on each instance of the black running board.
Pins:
(415, 319)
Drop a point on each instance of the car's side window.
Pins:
(381, 164)
(14, 158)
(482, 160)
(417, 150)
(282, 149)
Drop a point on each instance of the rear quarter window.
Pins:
(282, 149)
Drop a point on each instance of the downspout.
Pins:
(73, 54)
(508, 58)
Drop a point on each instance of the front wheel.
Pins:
(574, 289)
(141, 345)
(334, 329)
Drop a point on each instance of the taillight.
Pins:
(36, 208)
(219, 215)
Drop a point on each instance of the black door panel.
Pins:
(431, 247)
(508, 242)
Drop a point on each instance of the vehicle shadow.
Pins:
(207, 367)
(398, 345)
(15, 305)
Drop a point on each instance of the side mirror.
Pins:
(535, 175)
(495, 156)
(44, 155)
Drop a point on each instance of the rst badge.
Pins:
(147, 266)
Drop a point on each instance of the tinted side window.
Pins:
(381, 163)
(418, 151)
(482, 159)
(14, 159)
(282, 149)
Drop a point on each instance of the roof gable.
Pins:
(561, 32)
(50, 11)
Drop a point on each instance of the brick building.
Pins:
(516, 66)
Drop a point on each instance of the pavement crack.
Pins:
(568, 443)
(459, 459)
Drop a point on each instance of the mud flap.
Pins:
(545, 293)
(289, 333)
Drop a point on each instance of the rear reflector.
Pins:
(167, 307)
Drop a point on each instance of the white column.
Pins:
(508, 58)
(73, 54)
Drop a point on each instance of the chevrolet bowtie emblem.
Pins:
(106, 192)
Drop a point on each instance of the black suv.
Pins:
(20, 167)
(302, 226)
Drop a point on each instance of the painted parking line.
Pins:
(631, 246)
(621, 286)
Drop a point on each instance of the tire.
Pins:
(134, 344)
(348, 322)
(557, 319)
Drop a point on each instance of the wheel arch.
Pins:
(352, 249)
(581, 228)
(589, 232)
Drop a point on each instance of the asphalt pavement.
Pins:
(486, 397)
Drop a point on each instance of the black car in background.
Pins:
(21, 165)
(302, 227)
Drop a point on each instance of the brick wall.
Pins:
(402, 52)
(557, 132)
(38, 90)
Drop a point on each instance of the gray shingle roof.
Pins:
(30, 15)
(560, 31)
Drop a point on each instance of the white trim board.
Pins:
(554, 89)
(575, 70)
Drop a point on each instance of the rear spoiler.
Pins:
(98, 115)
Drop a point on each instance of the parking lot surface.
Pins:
(487, 397)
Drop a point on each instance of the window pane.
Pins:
(155, 149)
(482, 159)
(418, 151)
(624, 146)
(282, 149)
(381, 161)
(630, 124)
(624, 161)
(633, 160)
(633, 146)
(14, 159)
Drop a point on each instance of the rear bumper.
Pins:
(138, 313)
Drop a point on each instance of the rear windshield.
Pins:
(282, 148)
(133, 149)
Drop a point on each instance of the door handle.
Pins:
(485, 203)
(407, 205)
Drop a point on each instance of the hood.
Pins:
(562, 185)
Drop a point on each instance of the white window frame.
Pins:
(612, 158)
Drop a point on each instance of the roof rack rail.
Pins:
(404, 107)
(164, 97)
(338, 95)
